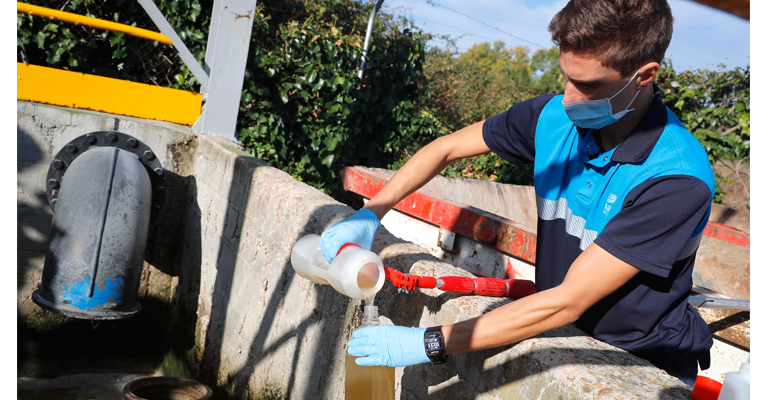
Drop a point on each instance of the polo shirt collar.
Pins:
(644, 136)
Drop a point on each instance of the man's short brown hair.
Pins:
(621, 34)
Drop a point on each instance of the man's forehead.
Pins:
(585, 68)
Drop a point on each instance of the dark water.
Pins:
(47, 394)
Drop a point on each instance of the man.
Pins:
(624, 192)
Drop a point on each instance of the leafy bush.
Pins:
(714, 105)
(113, 54)
(304, 109)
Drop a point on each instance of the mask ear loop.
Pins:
(624, 87)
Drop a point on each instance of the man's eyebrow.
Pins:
(579, 82)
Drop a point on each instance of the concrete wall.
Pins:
(254, 322)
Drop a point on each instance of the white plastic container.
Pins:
(736, 384)
(355, 272)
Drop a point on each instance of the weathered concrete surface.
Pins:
(723, 267)
(259, 322)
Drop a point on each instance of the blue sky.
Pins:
(703, 37)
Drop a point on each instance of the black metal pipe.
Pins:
(103, 201)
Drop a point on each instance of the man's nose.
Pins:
(571, 94)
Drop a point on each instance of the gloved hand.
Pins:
(358, 229)
(388, 345)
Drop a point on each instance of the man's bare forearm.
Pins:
(426, 164)
(594, 275)
(510, 323)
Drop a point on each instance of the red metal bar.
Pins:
(727, 234)
(508, 236)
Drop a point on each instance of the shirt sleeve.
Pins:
(511, 134)
(658, 219)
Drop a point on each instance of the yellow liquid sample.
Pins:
(368, 383)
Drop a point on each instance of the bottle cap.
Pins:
(706, 389)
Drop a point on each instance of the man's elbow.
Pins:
(571, 314)
(573, 307)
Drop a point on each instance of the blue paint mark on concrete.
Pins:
(77, 294)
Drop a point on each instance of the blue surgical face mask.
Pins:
(596, 114)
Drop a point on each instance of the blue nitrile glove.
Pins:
(358, 229)
(388, 345)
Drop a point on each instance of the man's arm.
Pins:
(594, 275)
(427, 163)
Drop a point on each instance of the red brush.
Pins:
(513, 288)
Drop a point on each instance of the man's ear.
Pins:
(647, 74)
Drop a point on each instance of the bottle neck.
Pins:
(371, 316)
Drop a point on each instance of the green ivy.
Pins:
(714, 105)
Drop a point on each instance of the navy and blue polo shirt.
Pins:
(646, 202)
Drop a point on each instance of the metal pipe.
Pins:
(720, 304)
(92, 22)
(104, 188)
(368, 36)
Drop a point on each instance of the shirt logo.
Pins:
(610, 199)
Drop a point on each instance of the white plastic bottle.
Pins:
(355, 272)
(736, 384)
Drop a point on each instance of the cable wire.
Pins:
(449, 26)
(433, 3)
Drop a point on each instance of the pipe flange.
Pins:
(81, 144)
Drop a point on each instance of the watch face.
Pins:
(432, 345)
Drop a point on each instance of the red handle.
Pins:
(345, 246)
(409, 282)
(518, 288)
(513, 288)
(490, 287)
(457, 284)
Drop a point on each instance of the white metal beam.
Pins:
(165, 28)
(225, 63)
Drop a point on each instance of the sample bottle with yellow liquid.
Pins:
(369, 383)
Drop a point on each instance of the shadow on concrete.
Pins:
(33, 214)
(329, 311)
(472, 380)
(174, 248)
(211, 360)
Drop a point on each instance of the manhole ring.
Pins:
(166, 388)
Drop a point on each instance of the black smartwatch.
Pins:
(434, 345)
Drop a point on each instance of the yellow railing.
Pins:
(92, 22)
(91, 92)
